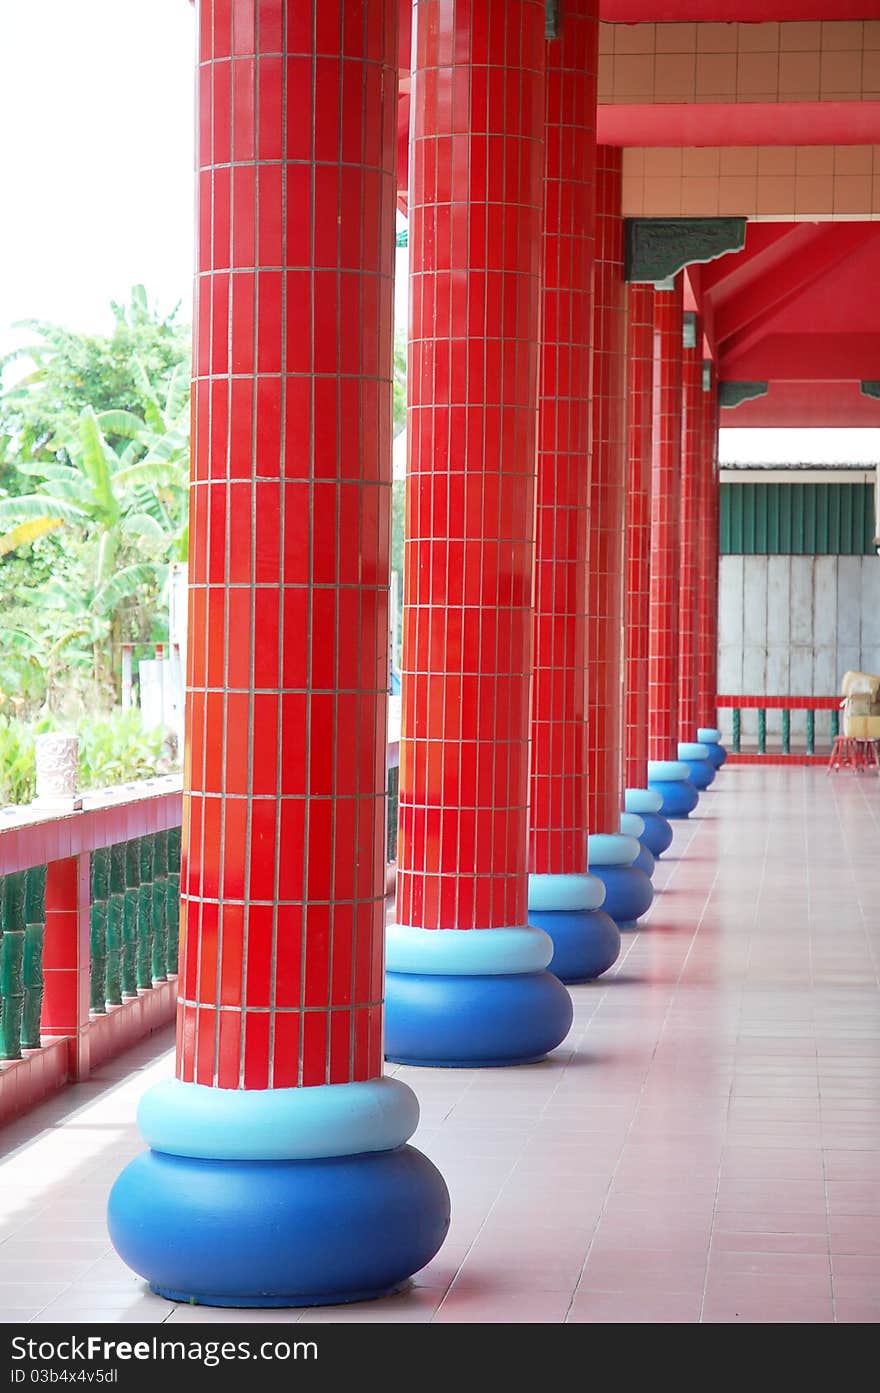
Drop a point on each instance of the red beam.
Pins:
(816, 405)
(740, 123)
(728, 11)
(743, 321)
(814, 357)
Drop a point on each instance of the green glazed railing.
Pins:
(22, 929)
(135, 916)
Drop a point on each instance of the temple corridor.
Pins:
(704, 1146)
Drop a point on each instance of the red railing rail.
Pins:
(739, 702)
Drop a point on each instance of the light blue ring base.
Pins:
(657, 836)
(266, 1233)
(641, 801)
(611, 849)
(679, 796)
(689, 750)
(666, 771)
(629, 892)
(460, 1022)
(466, 952)
(277, 1124)
(585, 942)
(564, 893)
(632, 825)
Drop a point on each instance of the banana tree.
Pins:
(132, 501)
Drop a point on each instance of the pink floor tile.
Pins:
(706, 1144)
(634, 1307)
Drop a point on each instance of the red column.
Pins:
(476, 185)
(475, 205)
(558, 820)
(607, 492)
(665, 522)
(279, 1119)
(283, 863)
(690, 536)
(707, 670)
(640, 388)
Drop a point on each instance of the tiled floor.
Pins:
(706, 1146)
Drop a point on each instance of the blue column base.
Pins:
(628, 892)
(679, 797)
(278, 1233)
(645, 861)
(702, 772)
(710, 736)
(586, 942)
(657, 836)
(466, 1022)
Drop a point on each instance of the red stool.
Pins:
(858, 755)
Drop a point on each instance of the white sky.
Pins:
(96, 154)
(96, 157)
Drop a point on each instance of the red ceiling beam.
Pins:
(742, 321)
(740, 123)
(727, 11)
(806, 358)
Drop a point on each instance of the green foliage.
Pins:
(113, 749)
(94, 465)
(399, 389)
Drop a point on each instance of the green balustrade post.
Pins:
(835, 723)
(736, 730)
(32, 957)
(130, 981)
(115, 909)
(11, 963)
(172, 899)
(99, 886)
(160, 891)
(762, 731)
(786, 732)
(145, 914)
(811, 732)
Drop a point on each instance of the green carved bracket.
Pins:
(871, 389)
(658, 248)
(551, 19)
(732, 393)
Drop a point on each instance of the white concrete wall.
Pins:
(791, 626)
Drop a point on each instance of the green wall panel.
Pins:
(797, 519)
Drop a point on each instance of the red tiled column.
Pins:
(280, 1015)
(475, 200)
(645, 803)
(664, 769)
(563, 899)
(690, 537)
(611, 853)
(693, 524)
(640, 388)
(707, 658)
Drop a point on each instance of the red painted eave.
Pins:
(740, 123)
(726, 11)
(806, 405)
